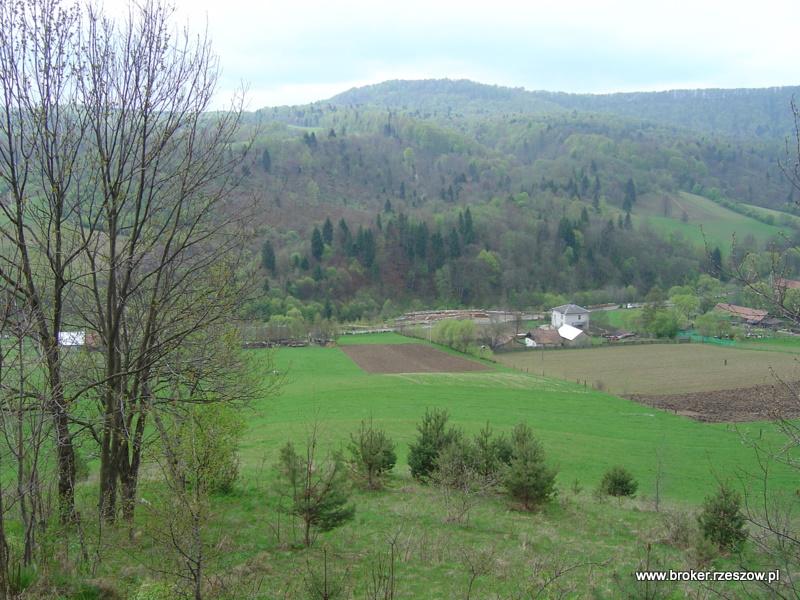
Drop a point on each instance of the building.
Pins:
(751, 316)
(570, 314)
(573, 337)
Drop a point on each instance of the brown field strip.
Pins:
(408, 358)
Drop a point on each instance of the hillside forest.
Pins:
(456, 194)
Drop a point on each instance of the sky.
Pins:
(294, 52)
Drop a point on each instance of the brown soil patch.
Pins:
(758, 403)
(408, 358)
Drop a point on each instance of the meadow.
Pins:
(584, 432)
(707, 221)
(498, 551)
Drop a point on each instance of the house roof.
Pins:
(748, 314)
(568, 332)
(571, 309)
(787, 284)
(546, 336)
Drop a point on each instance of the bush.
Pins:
(527, 478)
(721, 520)
(372, 454)
(491, 454)
(209, 440)
(618, 482)
(434, 436)
(317, 493)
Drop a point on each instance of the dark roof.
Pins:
(547, 337)
(753, 315)
(571, 309)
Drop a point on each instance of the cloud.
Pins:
(296, 52)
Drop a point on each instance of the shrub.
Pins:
(433, 436)
(618, 482)
(721, 520)
(372, 454)
(527, 478)
(317, 493)
(207, 442)
(491, 454)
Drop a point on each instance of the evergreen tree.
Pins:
(317, 245)
(434, 435)
(630, 195)
(266, 160)
(268, 257)
(528, 479)
(387, 206)
(469, 231)
(453, 244)
(327, 231)
(628, 223)
(437, 255)
(317, 493)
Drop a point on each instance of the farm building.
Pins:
(782, 284)
(751, 316)
(573, 337)
(570, 314)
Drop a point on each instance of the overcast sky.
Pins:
(292, 52)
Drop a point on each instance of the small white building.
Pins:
(570, 314)
(71, 338)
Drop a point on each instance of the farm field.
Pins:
(660, 368)
(408, 358)
(583, 431)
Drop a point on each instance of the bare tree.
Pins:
(42, 130)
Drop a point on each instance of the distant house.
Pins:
(71, 338)
(751, 316)
(783, 284)
(570, 314)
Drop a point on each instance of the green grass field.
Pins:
(584, 432)
(707, 221)
(662, 368)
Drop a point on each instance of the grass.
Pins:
(707, 221)
(661, 368)
(584, 432)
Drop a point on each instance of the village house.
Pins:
(570, 314)
(750, 316)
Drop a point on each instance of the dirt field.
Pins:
(659, 369)
(757, 403)
(408, 358)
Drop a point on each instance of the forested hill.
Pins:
(419, 203)
(760, 113)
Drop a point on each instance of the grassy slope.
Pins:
(718, 223)
(585, 431)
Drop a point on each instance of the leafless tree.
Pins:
(42, 131)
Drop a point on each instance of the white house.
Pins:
(71, 338)
(570, 314)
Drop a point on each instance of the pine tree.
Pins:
(268, 257)
(317, 493)
(317, 245)
(469, 230)
(528, 479)
(266, 160)
(630, 195)
(327, 231)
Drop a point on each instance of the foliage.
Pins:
(721, 521)
(207, 442)
(528, 479)
(618, 482)
(433, 436)
(372, 454)
(316, 493)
